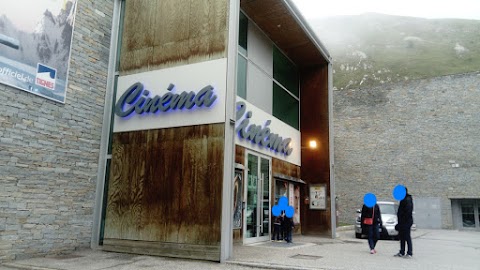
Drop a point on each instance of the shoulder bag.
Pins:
(369, 221)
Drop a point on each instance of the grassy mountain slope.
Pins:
(372, 49)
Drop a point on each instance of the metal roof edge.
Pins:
(287, 177)
(239, 166)
(308, 30)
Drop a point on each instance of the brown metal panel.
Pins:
(315, 125)
(165, 185)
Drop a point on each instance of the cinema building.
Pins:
(208, 111)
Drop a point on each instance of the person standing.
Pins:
(371, 223)
(405, 222)
(277, 228)
(288, 227)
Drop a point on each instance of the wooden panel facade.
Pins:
(240, 155)
(166, 185)
(204, 252)
(285, 168)
(167, 33)
(315, 125)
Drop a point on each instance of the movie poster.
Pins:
(237, 199)
(318, 197)
(35, 42)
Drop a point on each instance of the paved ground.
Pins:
(433, 249)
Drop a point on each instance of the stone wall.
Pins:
(49, 151)
(423, 134)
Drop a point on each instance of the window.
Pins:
(242, 77)
(286, 104)
(285, 72)
(242, 56)
(281, 189)
(292, 192)
(478, 213)
(390, 209)
(242, 33)
(283, 100)
(468, 215)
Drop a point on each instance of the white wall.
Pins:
(259, 88)
(260, 69)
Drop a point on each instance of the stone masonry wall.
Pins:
(49, 151)
(414, 133)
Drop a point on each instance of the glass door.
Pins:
(257, 199)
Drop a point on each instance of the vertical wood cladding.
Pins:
(240, 155)
(166, 185)
(314, 125)
(159, 34)
(285, 168)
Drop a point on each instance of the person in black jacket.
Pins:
(373, 229)
(288, 227)
(277, 229)
(405, 222)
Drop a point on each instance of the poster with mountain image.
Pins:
(35, 42)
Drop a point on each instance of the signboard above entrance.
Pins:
(171, 97)
(139, 100)
(262, 132)
(258, 134)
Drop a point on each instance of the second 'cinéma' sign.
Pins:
(259, 135)
(137, 99)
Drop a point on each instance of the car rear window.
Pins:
(390, 209)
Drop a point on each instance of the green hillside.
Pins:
(373, 49)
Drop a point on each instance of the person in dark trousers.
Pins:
(277, 228)
(287, 228)
(371, 223)
(405, 222)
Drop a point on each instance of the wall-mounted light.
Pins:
(312, 144)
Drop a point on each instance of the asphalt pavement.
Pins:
(432, 249)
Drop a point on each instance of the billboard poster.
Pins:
(35, 42)
(237, 199)
(318, 197)
(296, 204)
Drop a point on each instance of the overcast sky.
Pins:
(462, 9)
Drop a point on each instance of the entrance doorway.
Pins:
(470, 214)
(257, 199)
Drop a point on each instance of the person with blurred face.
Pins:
(405, 222)
(371, 220)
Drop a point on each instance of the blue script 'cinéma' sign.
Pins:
(259, 135)
(137, 99)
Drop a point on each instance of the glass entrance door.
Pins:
(257, 199)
